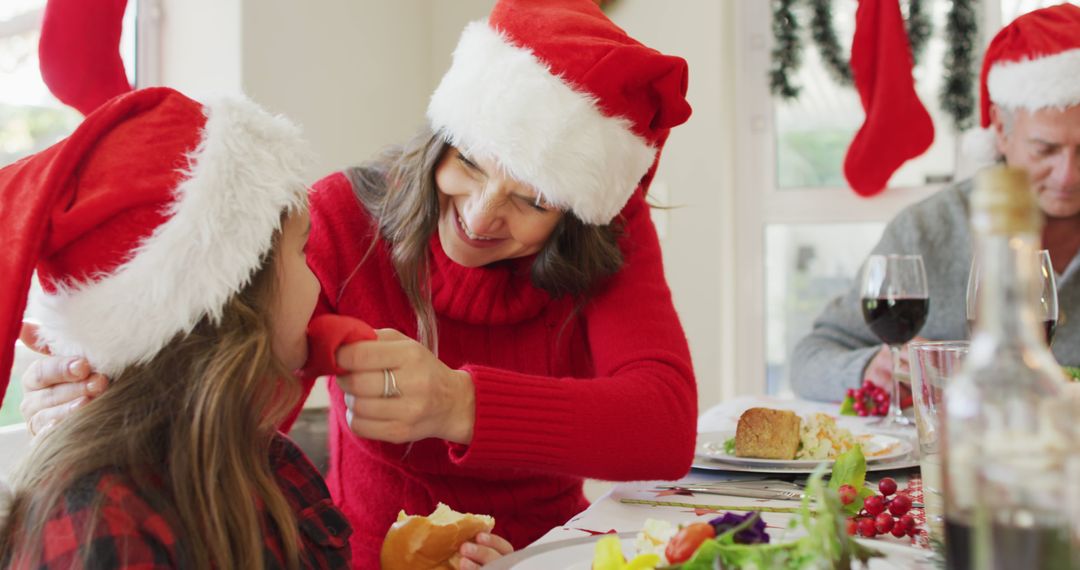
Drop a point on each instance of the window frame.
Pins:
(758, 202)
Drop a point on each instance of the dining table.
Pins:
(627, 506)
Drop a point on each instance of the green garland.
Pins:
(957, 95)
(821, 29)
(919, 28)
(787, 50)
(958, 91)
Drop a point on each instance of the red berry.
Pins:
(899, 531)
(887, 486)
(847, 494)
(874, 505)
(883, 523)
(907, 521)
(867, 384)
(851, 527)
(882, 410)
(900, 505)
(851, 393)
(862, 413)
(866, 527)
(880, 397)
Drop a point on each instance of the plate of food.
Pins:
(773, 439)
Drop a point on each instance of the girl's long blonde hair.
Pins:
(196, 423)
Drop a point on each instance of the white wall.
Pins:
(354, 73)
(696, 170)
(200, 45)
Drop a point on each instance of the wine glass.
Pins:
(1048, 299)
(895, 303)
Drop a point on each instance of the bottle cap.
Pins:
(1003, 202)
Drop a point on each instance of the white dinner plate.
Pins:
(883, 452)
(577, 554)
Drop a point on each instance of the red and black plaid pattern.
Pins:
(132, 529)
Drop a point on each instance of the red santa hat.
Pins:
(144, 221)
(563, 100)
(1032, 63)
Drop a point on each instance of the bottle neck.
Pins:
(1008, 288)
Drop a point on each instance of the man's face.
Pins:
(1046, 143)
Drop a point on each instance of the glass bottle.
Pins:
(1007, 423)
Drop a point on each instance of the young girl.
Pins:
(169, 238)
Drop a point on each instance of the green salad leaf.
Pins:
(729, 446)
(850, 469)
(1072, 372)
(847, 407)
(826, 539)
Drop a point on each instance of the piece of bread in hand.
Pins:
(767, 434)
(417, 542)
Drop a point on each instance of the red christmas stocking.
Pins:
(897, 126)
(79, 51)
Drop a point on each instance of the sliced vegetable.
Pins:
(685, 542)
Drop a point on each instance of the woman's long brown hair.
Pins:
(398, 190)
(196, 423)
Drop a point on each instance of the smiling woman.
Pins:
(486, 215)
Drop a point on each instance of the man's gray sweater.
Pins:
(834, 355)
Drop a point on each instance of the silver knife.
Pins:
(759, 492)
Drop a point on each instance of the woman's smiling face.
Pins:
(484, 215)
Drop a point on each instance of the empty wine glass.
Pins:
(1048, 301)
(895, 303)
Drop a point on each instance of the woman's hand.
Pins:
(55, 386)
(484, 549)
(434, 400)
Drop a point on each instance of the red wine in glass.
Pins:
(895, 302)
(1049, 326)
(895, 321)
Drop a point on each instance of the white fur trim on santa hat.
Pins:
(246, 171)
(1050, 81)
(498, 101)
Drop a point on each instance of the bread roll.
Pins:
(767, 434)
(431, 542)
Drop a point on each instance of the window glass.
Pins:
(806, 265)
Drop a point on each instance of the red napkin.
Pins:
(326, 334)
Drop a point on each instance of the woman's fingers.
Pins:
(54, 370)
(382, 409)
(391, 431)
(364, 385)
(60, 395)
(369, 355)
(45, 419)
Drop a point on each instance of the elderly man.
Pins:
(1030, 96)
